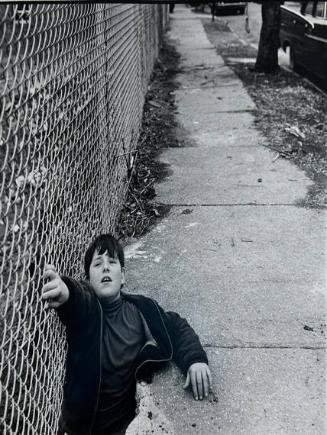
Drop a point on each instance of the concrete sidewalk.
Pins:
(238, 259)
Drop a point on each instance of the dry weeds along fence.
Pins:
(72, 84)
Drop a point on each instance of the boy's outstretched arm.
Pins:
(200, 378)
(72, 299)
(54, 292)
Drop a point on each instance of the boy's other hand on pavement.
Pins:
(200, 378)
(54, 291)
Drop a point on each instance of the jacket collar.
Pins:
(154, 320)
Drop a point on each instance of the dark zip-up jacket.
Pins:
(169, 337)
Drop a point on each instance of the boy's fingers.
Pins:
(52, 304)
(206, 384)
(201, 380)
(51, 285)
(210, 378)
(48, 267)
(187, 382)
(49, 273)
(194, 386)
(199, 384)
(51, 294)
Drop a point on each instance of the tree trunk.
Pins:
(267, 58)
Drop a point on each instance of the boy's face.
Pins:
(106, 276)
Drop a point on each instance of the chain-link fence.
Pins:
(73, 78)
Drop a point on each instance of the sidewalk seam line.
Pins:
(230, 111)
(265, 347)
(227, 205)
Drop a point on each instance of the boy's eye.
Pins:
(98, 263)
(112, 261)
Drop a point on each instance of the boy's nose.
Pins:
(106, 264)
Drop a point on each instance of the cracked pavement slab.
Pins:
(241, 275)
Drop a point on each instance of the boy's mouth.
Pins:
(106, 279)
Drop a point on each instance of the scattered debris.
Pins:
(155, 104)
(308, 328)
(213, 397)
(295, 131)
(20, 181)
(140, 211)
(276, 157)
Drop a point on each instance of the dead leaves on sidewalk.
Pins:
(293, 117)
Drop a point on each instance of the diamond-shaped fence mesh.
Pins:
(73, 78)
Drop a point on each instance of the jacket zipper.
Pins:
(100, 359)
(171, 346)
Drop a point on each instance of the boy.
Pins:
(115, 339)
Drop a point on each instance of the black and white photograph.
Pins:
(163, 196)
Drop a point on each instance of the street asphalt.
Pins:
(238, 258)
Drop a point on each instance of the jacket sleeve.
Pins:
(79, 305)
(187, 348)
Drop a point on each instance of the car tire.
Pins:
(291, 58)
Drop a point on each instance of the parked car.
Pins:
(304, 37)
(228, 7)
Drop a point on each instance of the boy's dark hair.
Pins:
(101, 244)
